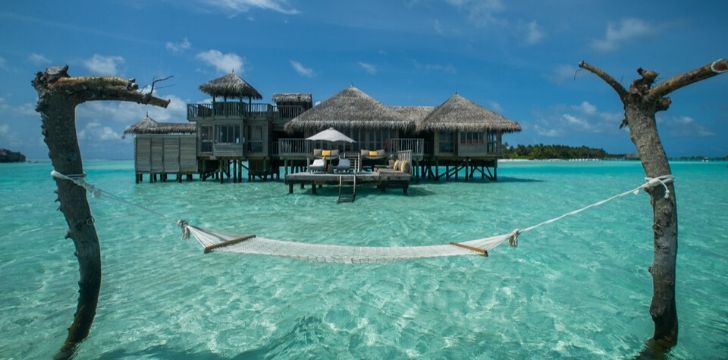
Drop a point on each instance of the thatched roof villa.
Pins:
(232, 129)
(164, 148)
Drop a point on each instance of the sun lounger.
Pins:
(318, 165)
(344, 165)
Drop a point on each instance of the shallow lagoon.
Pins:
(578, 288)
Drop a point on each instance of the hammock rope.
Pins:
(219, 241)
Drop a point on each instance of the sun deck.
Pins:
(382, 179)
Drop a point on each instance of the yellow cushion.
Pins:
(373, 153)
(404, 166)
(396, 165)
(325, 152)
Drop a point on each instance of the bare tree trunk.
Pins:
(58, 95)
(641, 103)
(643, 132)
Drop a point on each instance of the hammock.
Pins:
(218, 241)
(251, 244)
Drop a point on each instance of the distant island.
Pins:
(542, 152)
(7, 156)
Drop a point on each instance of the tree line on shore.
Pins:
(541, 151)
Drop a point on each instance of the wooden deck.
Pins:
(381, 180)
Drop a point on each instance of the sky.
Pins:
(518, 58)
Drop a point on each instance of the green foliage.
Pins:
(541, 151)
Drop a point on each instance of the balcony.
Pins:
(229, 110)
(416, 146)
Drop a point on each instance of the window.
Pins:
(205, 139)
(447, 142)
(228, 134)
(472, 138)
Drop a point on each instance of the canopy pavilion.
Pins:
(163, 149)
(232, 128)
(464, 135)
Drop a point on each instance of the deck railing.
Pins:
(227, 149)
(228, 110)
(294, 147)
(416, 146)
(289, 111)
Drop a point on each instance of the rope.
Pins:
(649, 183)
(96, 192)
(219, 241)
(713, 69)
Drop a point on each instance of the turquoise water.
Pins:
(576, 289)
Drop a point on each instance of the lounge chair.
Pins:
(344, 165)
(318, 165)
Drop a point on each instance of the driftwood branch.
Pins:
(704, 72)
(58, 96)
(606, 77)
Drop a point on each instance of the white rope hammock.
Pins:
(218, 241)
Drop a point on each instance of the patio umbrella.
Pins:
(331, 135)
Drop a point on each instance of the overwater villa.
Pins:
(232, 133)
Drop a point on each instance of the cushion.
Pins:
(316, 152)
(325, 152)
(373, 153)
(381, 152)
(396, 165)
(404, 166)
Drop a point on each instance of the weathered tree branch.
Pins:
(606, 77)
(640, 106)
(704, 72)
(58, 96)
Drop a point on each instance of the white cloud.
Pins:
(222, 62)
(534, 33)
(96, 132)
(444, 68)
(617, 34)
(103, 65)
(25, 109)
(573, 120)
(495, 106)
(586, 108)
(3, 63)
(438, 27)
(584, 118)
(481, 12)
(369, 68)
(562, 73)
(546, 131)
(682, 126)
(235, 7)
(38, 59)
(302, 70)
(4, 129)
(177, 47)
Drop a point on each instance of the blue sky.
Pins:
(515, 57)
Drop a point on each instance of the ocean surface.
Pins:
(578, 288)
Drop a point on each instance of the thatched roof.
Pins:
(230, 86)
(350, 108)
(147, 125)
(459, 113)
(414, 113)
(293, 98)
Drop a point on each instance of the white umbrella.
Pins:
(331, 135)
